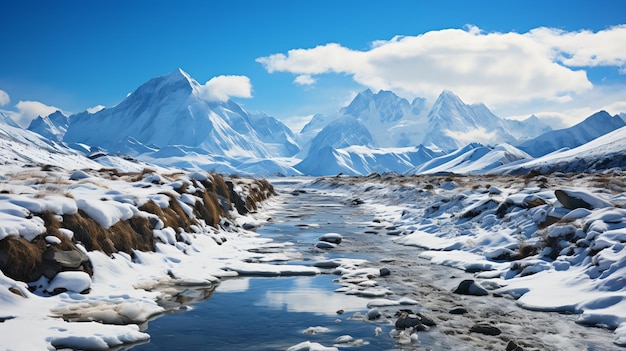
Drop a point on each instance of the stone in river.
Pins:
(484, 328)
(469, 287)
(331, 238)
(384, 272)
(325, 245)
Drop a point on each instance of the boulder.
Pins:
(458, 310)
(325, 245)
(485, 328)
(577, 199)
(55, 261)
(469, 287)
(384, 272)
(331, 238)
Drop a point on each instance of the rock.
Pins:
(385, 272)
(55, 261)
(331, 238)
(249, 226)
(325, 245)
(78, 175)
(357, 202)
(484, 328)
(326, 264)
(373, 314)
(532, 201)
(458, 310)
(409, 320)
(574, 199)
(469, 287)
(512, 346)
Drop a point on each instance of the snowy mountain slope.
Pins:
(453, 124)
(605, 152)
(592, 127)
(53, 126)
(276, 136)
(390, 119)
(340, 133)
(394, 122)
(474, 159)
(171, 110)
(362, 160)
(526, 129)
(7, 120)
(23, 149)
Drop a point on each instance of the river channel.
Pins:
(263, 313)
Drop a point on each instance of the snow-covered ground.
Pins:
(125, 289)
(554, 243)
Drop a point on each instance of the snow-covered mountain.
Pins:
(172, 110)
(602, 153)
(473, 158)
(592, 127)
(453, 124)
(394, 122)
(25, 149)
(390, 120)
(343, 132)
(362, 160)
(53, 126)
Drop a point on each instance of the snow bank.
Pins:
(102, 311)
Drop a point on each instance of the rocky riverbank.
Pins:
(547, 243)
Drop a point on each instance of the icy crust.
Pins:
(103, 310)
(554, 243)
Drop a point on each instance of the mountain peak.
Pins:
(178, 76)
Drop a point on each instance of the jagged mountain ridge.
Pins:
(449, 124)
(168, 121)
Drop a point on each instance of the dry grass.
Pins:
(88, 232)
(209, 208)
(172, 216)
(20, 258)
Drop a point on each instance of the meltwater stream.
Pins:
(261, 313)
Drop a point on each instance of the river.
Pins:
(261, 313)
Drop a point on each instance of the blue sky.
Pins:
(75, 55)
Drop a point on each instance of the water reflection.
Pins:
(307, 296)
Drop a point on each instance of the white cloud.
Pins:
(95, 109)
(29, 110)
(304, 79)
(296, 123)
(222, 88)
(495, 68)
(472, 135)
(4, 98)
(585, 48)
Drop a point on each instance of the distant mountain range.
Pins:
(168, 122)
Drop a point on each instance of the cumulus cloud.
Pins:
(222, 88)
(29, 110)
(4, 98)
(304, 79)
(495, 68)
